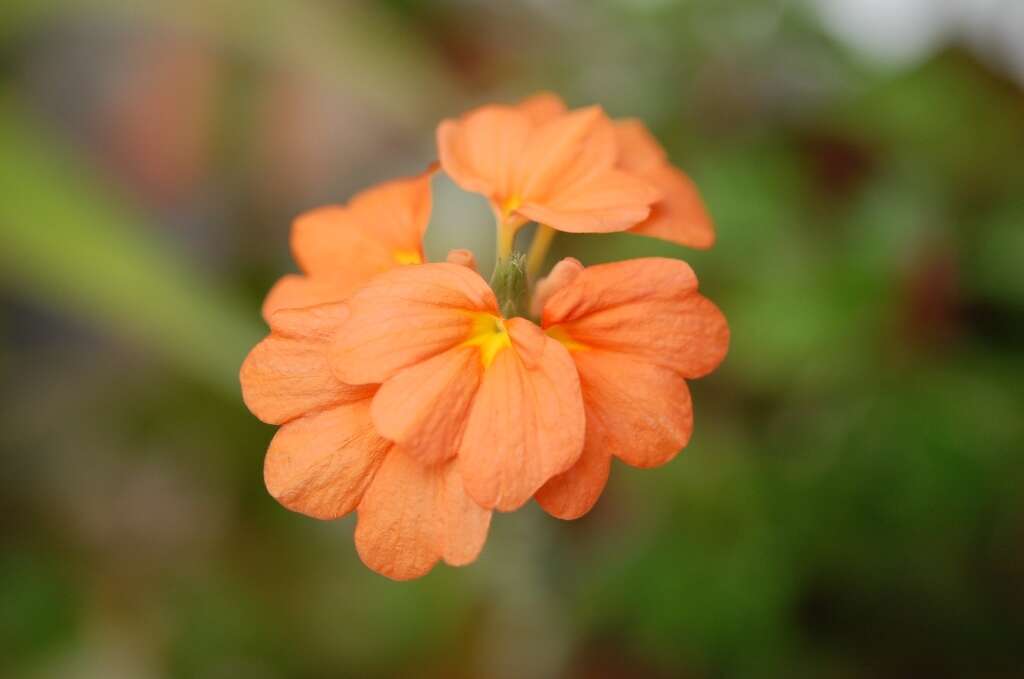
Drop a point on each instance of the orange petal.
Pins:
(601, 203)
(563, 151)
(680, 216)
(526, 424)
(637, 411)
(561, 275)
(414, 514)
(572, 494)
(405, 316)
(287, 374)
(397, 211)
(423, 408)
(542, 107)
(569, 180)
(640, 412)
(340, 248)
(466, 522)
(321, 464)
(639, 151)
(648, 309)
(296, 291)
(462, 257)
(362, 239)
(479, 150)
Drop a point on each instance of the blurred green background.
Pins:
(850, 505)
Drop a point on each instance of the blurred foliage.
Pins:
(849, 506)
(68, 241)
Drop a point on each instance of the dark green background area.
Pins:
(849, 506)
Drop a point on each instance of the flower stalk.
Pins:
(539, 250)
(507, 230)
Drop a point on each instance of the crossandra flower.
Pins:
(341, 247)
(636, 330)
(536, 164)
(460, 381)
(327, 460)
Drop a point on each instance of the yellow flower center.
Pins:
(557, 332)
(489, 334)
(407, 257)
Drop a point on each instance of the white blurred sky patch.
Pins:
(904, 32)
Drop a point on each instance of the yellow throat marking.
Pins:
(557, 332)
(404, 257)
(511, 204)
(488, 333)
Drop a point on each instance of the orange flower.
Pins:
(460, 382)
(341, 247)
(414, 397)
(327, 460)
(635, 329)
(679, 215)
(553, 167)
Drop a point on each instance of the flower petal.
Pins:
(639, 151)
(296, 291)
(560, 276)
(648, 309)
(479, 150)
(363, 238)
(680, 216)
(526, 424)
(542, 107)
(567, 177)
(466, 523)
(384, 225)
(601, 203)
(321, 464)
(405, 316)
(462, 257)
(572, 494)
(563, 151)
(637, 411)
(414, 514)
(397, 211)
(423, 408)
(287, 374)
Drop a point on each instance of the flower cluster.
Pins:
(423, 398)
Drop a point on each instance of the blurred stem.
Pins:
(539, 250)
(507, 231)
(526, 611)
